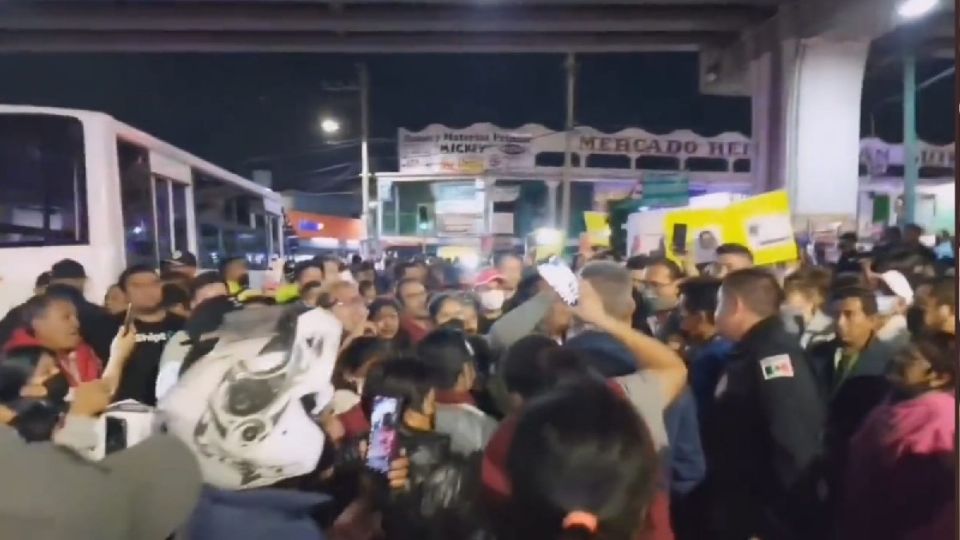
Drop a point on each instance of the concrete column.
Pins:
(552, 203)
(806, 114)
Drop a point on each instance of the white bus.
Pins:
(81, 185)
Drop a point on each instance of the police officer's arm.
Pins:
(649, 353)
(793, 414)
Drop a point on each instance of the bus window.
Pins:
(208, 244)
(136, 196)
(237, 217)
(164, 223)
(180, 241)
(43, 175)
(274, 236)
(255, 244)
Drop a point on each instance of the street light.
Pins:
(329, 126)
(912, 9)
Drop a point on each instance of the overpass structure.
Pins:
(802, 61)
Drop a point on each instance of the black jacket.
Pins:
(441, 501)
(763, 440)
(848, 404)
(11, 321)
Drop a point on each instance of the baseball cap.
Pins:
(68, 269)
(182, 258)
(146, 491)
(487, 276)
(898, 285)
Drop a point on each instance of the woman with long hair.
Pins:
(385, 314)
(581, 465)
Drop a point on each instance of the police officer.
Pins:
(763, 437)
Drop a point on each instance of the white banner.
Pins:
(459, 208)
(878, 155)
(481, 148)
(471, 150)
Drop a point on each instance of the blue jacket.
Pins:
(706, 367)
(254, 515)
(688, 467)
(685, 455)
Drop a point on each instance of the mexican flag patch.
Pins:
(776, 366)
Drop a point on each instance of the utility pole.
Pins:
(911, 163)
(363, 89)
(364, 81)
(571, 68)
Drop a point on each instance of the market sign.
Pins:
(672, 145)
(472, 150)
(483, 148)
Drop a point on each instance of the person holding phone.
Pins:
(149, 326)
(442, 485)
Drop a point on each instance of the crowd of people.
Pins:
(710, 401)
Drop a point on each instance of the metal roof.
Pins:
(726, 33)
(377, 26)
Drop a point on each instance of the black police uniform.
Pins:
(764, 441)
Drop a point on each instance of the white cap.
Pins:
(898, 285)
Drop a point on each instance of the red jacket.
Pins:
(414, 329)
(79, 366)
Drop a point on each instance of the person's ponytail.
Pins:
(579, 525)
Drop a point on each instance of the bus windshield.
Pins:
(42, 174)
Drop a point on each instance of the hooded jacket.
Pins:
(80, 365)
(901, 483)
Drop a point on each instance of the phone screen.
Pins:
(116, 434)
(382, 446)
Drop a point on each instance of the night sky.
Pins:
(231, 108)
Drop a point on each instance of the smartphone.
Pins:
(116, 434)
(383, 443)
(128, 319)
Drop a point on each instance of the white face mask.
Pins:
(493, 299)
(886, 305)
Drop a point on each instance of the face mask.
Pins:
(492, 300)
(886, 305)
(656, 303)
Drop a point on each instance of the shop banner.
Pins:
(472, 150)
(458, 208)
(665, 190)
